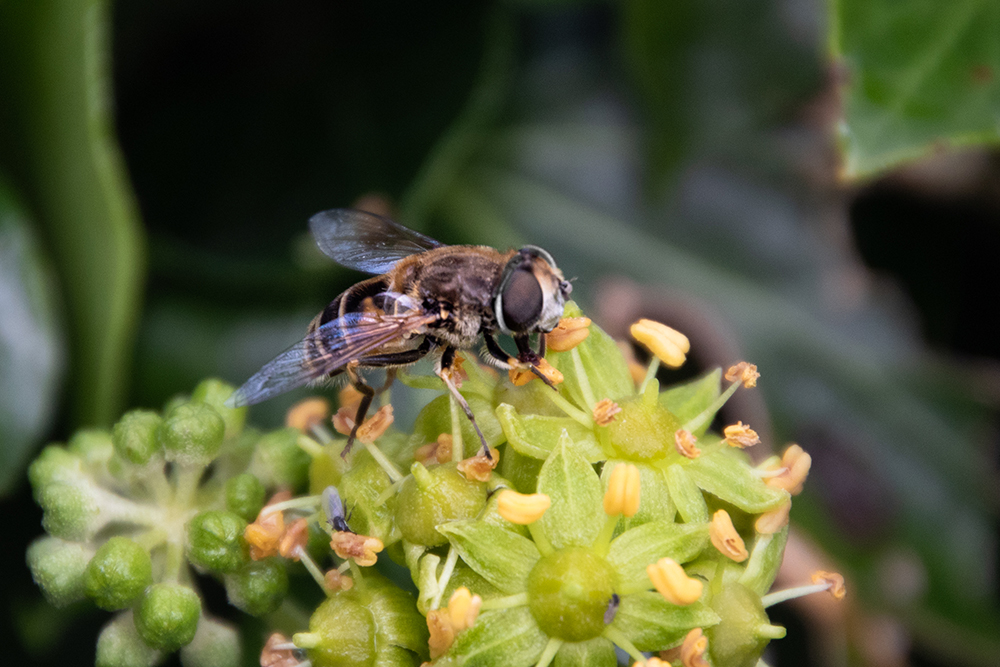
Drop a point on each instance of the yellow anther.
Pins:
(361, 548)
(725, 538)
(463, 608)
(771, 522)
(693, 649)
(673, 583)
(442, 634)
(479, 467)
(279, 652)
(295, 538)
(308, 413)
(520, 508)
(264, 535)
(745, 373)
(605, 411)
(570, 332)
(521, 374)
(623, 494)
(684, 442)
(335, 581)
(795, 464)
(740, 435)
(349, 397)
(669, 345)
(379, 423)
(343, 419)
(835, 582)
(438, 451)
(652, 662)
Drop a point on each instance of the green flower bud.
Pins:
(93, 446)
(569, 592)
(58, 568)
(279, 461)
(431, 497)
(118, 574)
(167, 616)
(69, 511)
(215, 392)
(192, 434)
(644, 429)
(745, 630)
(120, 645)
(216, 644)
(258, 587)
(135, 436)
(215, 541)
(54, 464)
(245, 496)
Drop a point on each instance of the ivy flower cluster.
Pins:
(608, 519)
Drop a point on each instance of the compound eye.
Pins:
(521, 300)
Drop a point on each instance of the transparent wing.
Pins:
(327, 349)
(365, 241)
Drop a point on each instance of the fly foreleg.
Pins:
(445, 372)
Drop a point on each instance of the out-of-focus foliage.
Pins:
(917, 77)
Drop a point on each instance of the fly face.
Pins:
(532, 293)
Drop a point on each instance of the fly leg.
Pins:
(391, 360)
(444, 371)
(528, 356)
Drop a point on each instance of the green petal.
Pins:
(765, 559)
(654, 496)
(398, 623)
(653, 624)
(360, 489)
(688, 400)
(686, 496)
(727, 475)
(597, 652)
(435, 419)
(634, 550)
(601, 361)
(395, 656)
(500, 638)
(537, 435)
(576, 515)
(502, 558)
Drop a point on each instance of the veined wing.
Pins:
(325, 350)
(365, 241)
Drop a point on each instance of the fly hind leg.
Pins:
(444, 371)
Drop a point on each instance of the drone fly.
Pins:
(427, 298)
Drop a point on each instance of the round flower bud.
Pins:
(54, 464)
(93, 446)
(245, 496)
(118, 574)
(192, 434)
(258, 587)
(119, 645)
(215, 541)
(569, 592)
(58, 568)
(279, 461)
(134, 436)
(167, 616)
(215, 393)
(434, 496)
(216, 644)
(69, 511)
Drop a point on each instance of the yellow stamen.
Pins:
(278, 652)
(463, 608)
(440, 450)
(361, 548)
(605, 411)
(521, 374)
(684, 442)
(795, 464)
(693, 649)
(520, 508)
(442, 634)
(835, 581)
(264, 535)
(296, 536)
(771, 522)
(745, 373)
(378, 424)
(623, 494)
(669, 345)
(343, 419)
(740, 435)
(652, 662)
(307, 413)
(725, 538)
(479, 467)
(335, 581)
(570, 332)
(349, 397)
(673, 583)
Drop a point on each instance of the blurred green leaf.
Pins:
(57, 141)
(31, 345)
(916, 77)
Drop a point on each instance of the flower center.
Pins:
(568, 593)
